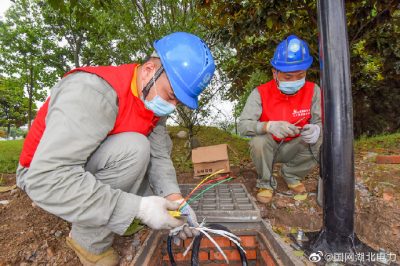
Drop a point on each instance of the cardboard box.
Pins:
(210, 159)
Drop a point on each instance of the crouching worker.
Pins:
(283, 117)
(100, 140)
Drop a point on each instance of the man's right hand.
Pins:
(153, 211)
(282, 129)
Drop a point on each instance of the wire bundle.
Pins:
(201, 188)
(205, 185)
(216, 229)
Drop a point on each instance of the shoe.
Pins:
(264, 195)
(107, 258)
(297, 188)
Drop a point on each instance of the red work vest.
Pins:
(277, 106)
(132, 113)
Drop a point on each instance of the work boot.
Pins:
(107, 258)
(297, 188)
(264, 195)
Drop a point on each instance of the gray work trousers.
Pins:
(295, 155)
(120, 161)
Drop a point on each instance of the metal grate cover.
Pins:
(224, 203)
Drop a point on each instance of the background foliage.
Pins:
(40, 40)
(253, 29)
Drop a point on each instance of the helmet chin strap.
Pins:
(276, 77)
(146, 89)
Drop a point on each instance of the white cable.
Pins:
(188, 248)
(191, 243)
(228, 235)
(222, 232)
(215, 244)
(232, 237)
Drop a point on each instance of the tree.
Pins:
(25, 49)
(13, 104)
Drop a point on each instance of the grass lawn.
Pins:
(9, 155)
(384, 144)
(239, 152)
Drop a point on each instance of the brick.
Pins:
(230, 254)
(251, 254)
(247, 241)
(267, 258)
(222, 242)
(203, 255)
(179, 256)
(388, 159)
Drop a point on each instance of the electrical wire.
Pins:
(205, 190)
(198, 185)
(169, 251)
(217, 227)
(272, 180)
(314, 157)
(202, 185)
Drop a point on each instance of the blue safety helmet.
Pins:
(188, 63)
(292, 54)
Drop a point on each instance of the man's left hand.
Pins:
(190, 215)
(310, 133)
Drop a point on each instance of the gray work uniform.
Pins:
(295, 154)
(87, 177)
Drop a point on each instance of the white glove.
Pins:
(310, 133)
(282, 129)
(153, 211)
(191, 220)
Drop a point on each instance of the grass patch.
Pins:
(383, 144)
(9, 155)
(181, 156)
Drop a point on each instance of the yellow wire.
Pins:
(219, 171)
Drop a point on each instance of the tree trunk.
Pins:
(236, 132)
(78, 46)
(8, 129)
(30, 95)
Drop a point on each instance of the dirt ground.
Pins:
(31, 236)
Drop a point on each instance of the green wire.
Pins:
(210, 187)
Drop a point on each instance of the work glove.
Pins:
(153, 211)
(310, 133)
(191, 220)
(282, 129)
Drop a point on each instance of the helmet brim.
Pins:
(179, 92)
(184, 98)
(295, 67)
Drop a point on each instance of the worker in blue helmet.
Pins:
(98, 152)
(284, 119)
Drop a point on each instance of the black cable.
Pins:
(275, 185)
(196, 246)
(314, 157)
(169, 250)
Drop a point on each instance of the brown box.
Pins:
(210, 159)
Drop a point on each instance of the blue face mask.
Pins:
(159, 106)
(291, 87)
